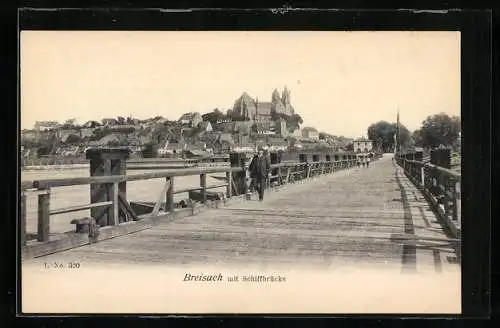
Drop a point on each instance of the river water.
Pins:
(61, 197)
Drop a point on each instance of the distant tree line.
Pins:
(438, 130)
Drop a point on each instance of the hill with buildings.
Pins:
(250, 122)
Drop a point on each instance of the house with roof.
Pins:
(126, 128)
(205, 126)
(46, 125)
(174, 149)
(362, 145)
(63, 134)
(29, 135)
(310, 133)
(225, 127)
(224, 120)
(263, 128)
(91, 124)
(263, 111)
(242, 127)
(191, 119)
(109, 121)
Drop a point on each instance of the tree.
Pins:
(121, 120)
(70, 122)
(349, 147)
(214, 116)
(405, 139)
(293, 122)
(382, 133)
(440, 129)
(417, 138)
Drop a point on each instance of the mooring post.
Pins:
(107, 162)
(169, 198)
(43, 215)
(203, 185)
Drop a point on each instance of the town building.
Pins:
(64, 134)
(29, 135)
(206, 126)
(362, 145)
(247, 108)
(310, 133)
(46, 125)
(191, 119)
(109, 121)
(280, 127)
(263, 111)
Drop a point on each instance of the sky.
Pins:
(340, 82)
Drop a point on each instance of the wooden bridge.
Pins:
(398, 213)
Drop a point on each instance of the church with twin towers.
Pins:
(253, 109)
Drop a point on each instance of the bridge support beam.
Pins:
(106, 162)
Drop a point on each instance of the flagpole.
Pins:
(396, 135)
(399, 133)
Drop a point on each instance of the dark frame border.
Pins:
(475, 27)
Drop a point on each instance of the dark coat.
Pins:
(260, 167)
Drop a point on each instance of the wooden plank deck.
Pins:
(371, 217)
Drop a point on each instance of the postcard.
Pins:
(176, 172)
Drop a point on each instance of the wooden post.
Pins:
(287, 174)
(308, 170)
(43, 216)
(228, 181)
(322, 168)
(203, 185)
(115, 212)
(239, 178)
(169, 199)
(22, 224)
(106, 162)
(98, 192)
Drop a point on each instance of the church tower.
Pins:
(285, 96)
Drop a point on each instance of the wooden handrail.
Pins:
(438, 184)
(443, 170)
(64, 182)
(236, 184)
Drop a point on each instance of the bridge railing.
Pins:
(440, 185)
(71, 160)
(109, 205)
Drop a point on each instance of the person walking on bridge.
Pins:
(260, 168)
